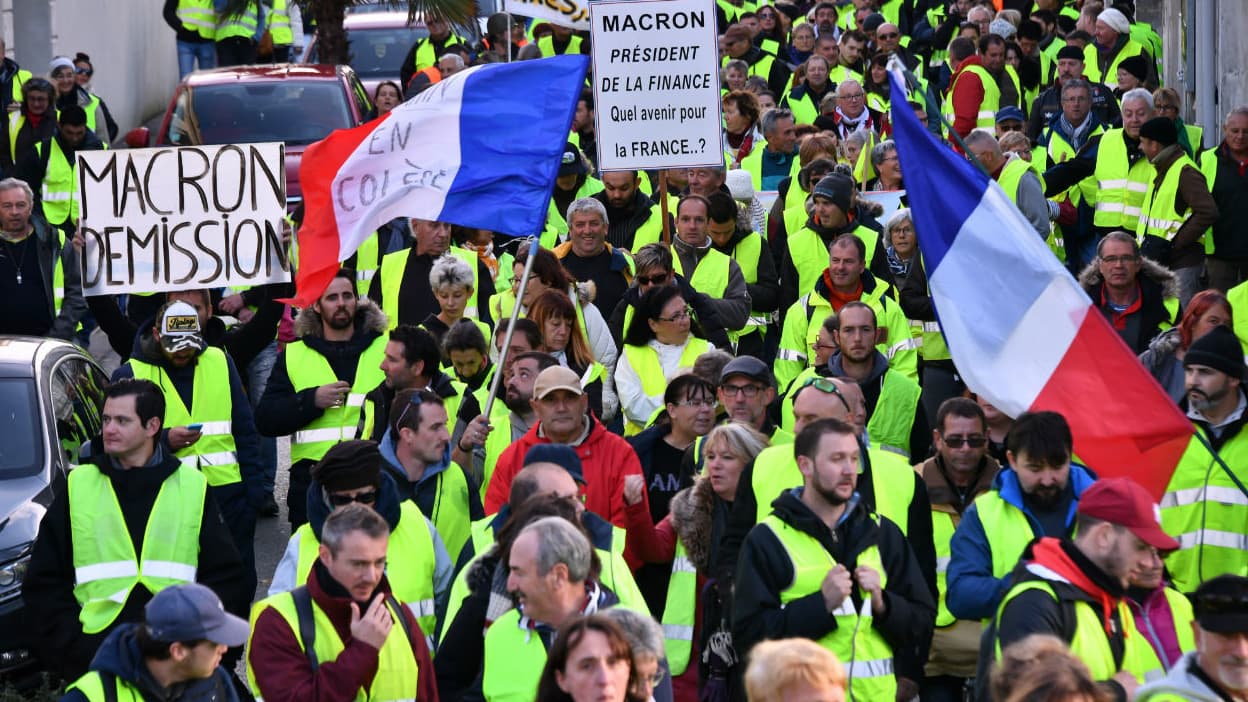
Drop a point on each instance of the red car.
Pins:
(297, 104)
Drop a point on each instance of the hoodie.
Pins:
(872, 386)
(1161, 360)
(119, 657)
(765, 569)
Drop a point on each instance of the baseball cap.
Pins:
(190, 612)
(1010, 112)
(1123, 502)
(561, 455)
(179, 328)
(556, 378)
(1221, 604)
(571, 162)
(748, 366)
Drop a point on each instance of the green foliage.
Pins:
(45, 692)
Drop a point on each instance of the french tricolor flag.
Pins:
(479, 149)
(1020, 329)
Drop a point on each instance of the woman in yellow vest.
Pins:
(562, 337)
(61, 73)
(741, 133)
(684, 542)
(451, 280)
(875, 84)
(659, 340)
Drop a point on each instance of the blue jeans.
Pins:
(257, 378)
(189, 52)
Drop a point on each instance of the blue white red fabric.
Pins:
(1021, 331)
(480, 149)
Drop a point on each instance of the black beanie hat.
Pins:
(1220, 350)
(1135, 65)
(1161, 130)
(349, 465)
(836, 187)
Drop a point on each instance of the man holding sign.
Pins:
(39, 272)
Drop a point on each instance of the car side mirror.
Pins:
(138, 137)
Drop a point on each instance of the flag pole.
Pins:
(909, 79)
(667, 229)
(511, 326)
(508, 43)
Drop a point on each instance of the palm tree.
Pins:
(331, 40)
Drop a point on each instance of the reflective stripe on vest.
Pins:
(943, 525)
(890, 424)
(309, 369)
(1206, 512)
(867, 657)
(215, 454)
(987, 115)
(450, 510)
(106, 568)
(410, 563)
(366, 264)
(242, 25)
(1157, 214)
(199, 17)
(397, 674)
(279, 24)
(1120, 186)
(746, 253)
(679, 611)
(513, 662)
(645, 363)
(57, 192)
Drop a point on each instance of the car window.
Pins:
(296, 112)
(21, 452)
(377, 53)
(77, 396)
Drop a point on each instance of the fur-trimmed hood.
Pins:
(368, 318)
(1090, 278)
(693, 511)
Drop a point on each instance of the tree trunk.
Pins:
(331, 39)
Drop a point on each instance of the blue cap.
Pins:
(1010, 112)
(191, 612)
(561, 455)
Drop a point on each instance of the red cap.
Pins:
(1123, 502)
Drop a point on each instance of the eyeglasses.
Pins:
(656, 279)
(958, 440)
(656, 679)
(1167, 108)
(828, 386)
(704, 402)
(413, 402)
(84, 71)
(341, 500)
(1075, 99)
(679, 316)
(816, 346)
(851, 96)
(890, 35)
(749, 391)
(1114, 260)
(67, 73)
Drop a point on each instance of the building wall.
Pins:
(1177, 21)
(131, 47)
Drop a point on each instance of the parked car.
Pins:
(296, 104)
(51, 394)
(378, 43)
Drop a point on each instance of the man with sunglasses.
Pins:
(960, 471)
(1218, 669)
(417, 564)
(1034, 495)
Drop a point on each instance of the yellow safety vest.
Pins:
(866, 655)
(746, 253)
(732, 12)
(91, 686)
(393, 266)
(215, 454)
(366, 264)
(410, 563)
(645, 362)
(1090, 643)
(680, 610)
(1209, 166)
(425, 54)
(803, 108)
(1157, 215)
(1205, 511)
(893, 418)
(1092, 66)
(944, 522)
(242, 25)
(892, 481)
(987, 116)
(279, 24)
(198, 16)
(106, 567)
(547, 46)
(450, 510)
(57, 192)
(397, 673)
(810, 255)
(1120, 186)
(753, 163)
(309, 369)
(514, 659)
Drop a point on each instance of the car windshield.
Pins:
(21, 452)
(294, 111)
(377, 52)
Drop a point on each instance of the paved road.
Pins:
(272, 533)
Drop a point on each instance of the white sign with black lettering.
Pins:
(656, 84)
(182, 217)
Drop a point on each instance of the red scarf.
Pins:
(1048, 553)
(837, 298)
(1120, 318)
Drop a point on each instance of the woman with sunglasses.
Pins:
(68, 92)
(659, 341)
(771, 36)
(83, 73)
(418, 567)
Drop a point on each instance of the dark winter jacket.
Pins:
(1157, 285)
(119, 658)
